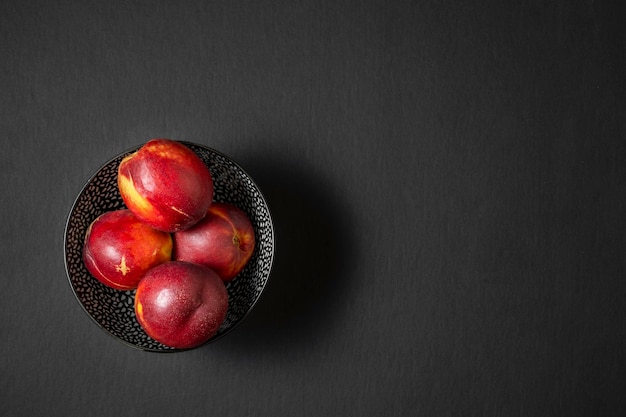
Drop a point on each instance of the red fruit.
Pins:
(166, 185)
(119, 249)
(223, 241)
(180, 304)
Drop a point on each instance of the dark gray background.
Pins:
(447, 181)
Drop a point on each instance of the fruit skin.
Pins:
(166, 185)
(223, 241)
(180, 304)
(119, 249)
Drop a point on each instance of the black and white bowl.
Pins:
(113, 310)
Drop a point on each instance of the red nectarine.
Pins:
(166, 185)
(223, 240)
(119, 249)
(181, 304)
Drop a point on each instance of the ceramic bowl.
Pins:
(113, 310)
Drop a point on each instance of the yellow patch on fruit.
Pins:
(132, 197)
(177, 210)
(167, 150)
(139, 309)
(122, 267)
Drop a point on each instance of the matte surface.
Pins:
(447, 181)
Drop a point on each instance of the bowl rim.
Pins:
(214, 338)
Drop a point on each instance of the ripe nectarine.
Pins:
(166, 185)
(119, 249)
(181, 304)
(223, 241)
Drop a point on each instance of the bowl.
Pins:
(113, 310)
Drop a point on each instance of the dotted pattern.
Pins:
(113, 310)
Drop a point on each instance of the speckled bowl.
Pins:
(113, 310)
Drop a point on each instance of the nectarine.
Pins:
(181, 304)
(223, 241)
(166, 185)
(119, 249)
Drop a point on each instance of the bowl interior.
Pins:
(113, 310)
